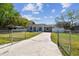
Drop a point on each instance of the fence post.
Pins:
(25, 34)
(9, 34)
(70, 42)
(58, 38)
(12, 36)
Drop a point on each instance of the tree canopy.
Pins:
(67, 20)
(10, 16)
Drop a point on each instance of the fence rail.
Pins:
(64, 41)
(10, 37)
(68, 41)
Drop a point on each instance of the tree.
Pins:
(7, 12)
(10, 16)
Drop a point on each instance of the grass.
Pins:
(17, 36)
(65, 42)
(54, 37)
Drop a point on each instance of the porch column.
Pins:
(43, 28)
(36, 29)
(32, 28)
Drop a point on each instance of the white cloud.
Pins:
(47, 5)
(45, 17)
(37, 18)
(35, 12)
(30, 17)
(29, 7)
(39, 6)
(33, 7)
(66, 5)
(48, 16)
(53, 10)
(63, 10)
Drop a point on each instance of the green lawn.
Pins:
(65, 42)
(17, 36)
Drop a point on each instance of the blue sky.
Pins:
(44, 13)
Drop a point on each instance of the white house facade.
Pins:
(39, 28)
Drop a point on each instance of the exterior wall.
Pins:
(39, 28)
(47, 29)
(76, 29)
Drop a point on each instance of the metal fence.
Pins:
(7, 36)
(10, 37)
(64, 41)
(18, 34)
(4, 35)
(4, 38)
(68, 41)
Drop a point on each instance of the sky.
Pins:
(43, 13)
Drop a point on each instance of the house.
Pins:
(39, 28)
(58, 29)
(76, 27)
(19, 27)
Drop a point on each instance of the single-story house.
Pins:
(76, 27)
(58, 29)
(39, 28)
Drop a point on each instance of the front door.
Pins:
(48, 29)
(40, 29)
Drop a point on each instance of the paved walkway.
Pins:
(39, 45)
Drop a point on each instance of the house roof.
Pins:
(41, 25)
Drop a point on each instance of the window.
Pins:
(40, 29)
(34, 28)
(30, 28)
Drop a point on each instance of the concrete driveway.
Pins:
(39, 45)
